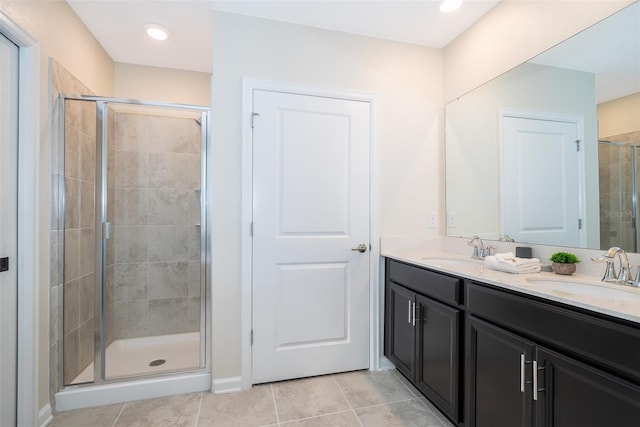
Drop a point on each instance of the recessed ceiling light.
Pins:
(450, 5)
(156, 31)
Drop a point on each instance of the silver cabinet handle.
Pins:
(361, 248)
(409, 312)
(522, 357)
(414, 314)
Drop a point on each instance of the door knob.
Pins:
(361, 248)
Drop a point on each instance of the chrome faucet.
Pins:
(478, 248)
(624, 274)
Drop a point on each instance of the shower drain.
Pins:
(157, 362)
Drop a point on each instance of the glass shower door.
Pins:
(133, 237)
(153, 257)
(74, 228)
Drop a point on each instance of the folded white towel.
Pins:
(512, 267)
(511, 259)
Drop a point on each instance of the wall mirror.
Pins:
(546, 152)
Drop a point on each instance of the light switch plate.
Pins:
(432, 220)
(451, 220)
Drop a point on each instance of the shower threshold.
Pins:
(149, 355)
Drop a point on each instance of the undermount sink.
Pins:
(579, 288)
(440, 262)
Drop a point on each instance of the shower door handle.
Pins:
(106, 230)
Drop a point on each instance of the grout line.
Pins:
(436, 413)
(199, 408)
(317, 416)
(119, 414)
(275, 405)
(353, 411)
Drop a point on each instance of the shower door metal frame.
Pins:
(102, 227)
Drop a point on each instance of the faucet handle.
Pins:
(487, 251)
(624, 275)
(636, 280)
(609, 271)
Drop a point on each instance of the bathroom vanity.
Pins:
(493, 349)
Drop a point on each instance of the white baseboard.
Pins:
(45, 415)
(227, 385)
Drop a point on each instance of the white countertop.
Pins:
(626, 304)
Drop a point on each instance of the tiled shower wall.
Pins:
(156, 229)
(153, 258)
(616, 194)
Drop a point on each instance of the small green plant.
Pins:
(564, 258)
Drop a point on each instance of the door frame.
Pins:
(246, 277)
(30, 234)
(552, 117)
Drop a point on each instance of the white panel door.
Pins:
(8, 229)
(541, 181)
(310, 209)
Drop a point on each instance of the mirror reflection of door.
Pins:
(541, 181)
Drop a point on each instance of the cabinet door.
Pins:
(499, 377)
(438, 354)
(575, 394)
(401, 332)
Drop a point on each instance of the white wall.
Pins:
(619, 116)
(407, 80)
(514, 32)
(162, 84)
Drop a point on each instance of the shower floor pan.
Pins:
(149, 355)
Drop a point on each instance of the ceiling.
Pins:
(118, 24)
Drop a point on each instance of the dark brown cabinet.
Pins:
(422, 335)
(576, 394)
(499, 389)
(401, 337)
(491, 357)
(514, 379)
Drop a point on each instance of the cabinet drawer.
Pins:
(439, 286)
(611, 345)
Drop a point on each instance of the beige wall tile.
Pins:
(130, 243)
(86, 337)
(131, 206)
(168, 316)
(72, 203)
(131, 281)
(71, 254)
(88, 157)
(132, 169)
(168, 279)
(87, 251)
(169, 207)
(169, 243)
(167, 134)
(72, 152)
(132, 319)
(87, 204)
(87, 297)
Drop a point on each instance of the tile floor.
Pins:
(357, 399)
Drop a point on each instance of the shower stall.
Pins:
(130, 189)
(618, 161)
